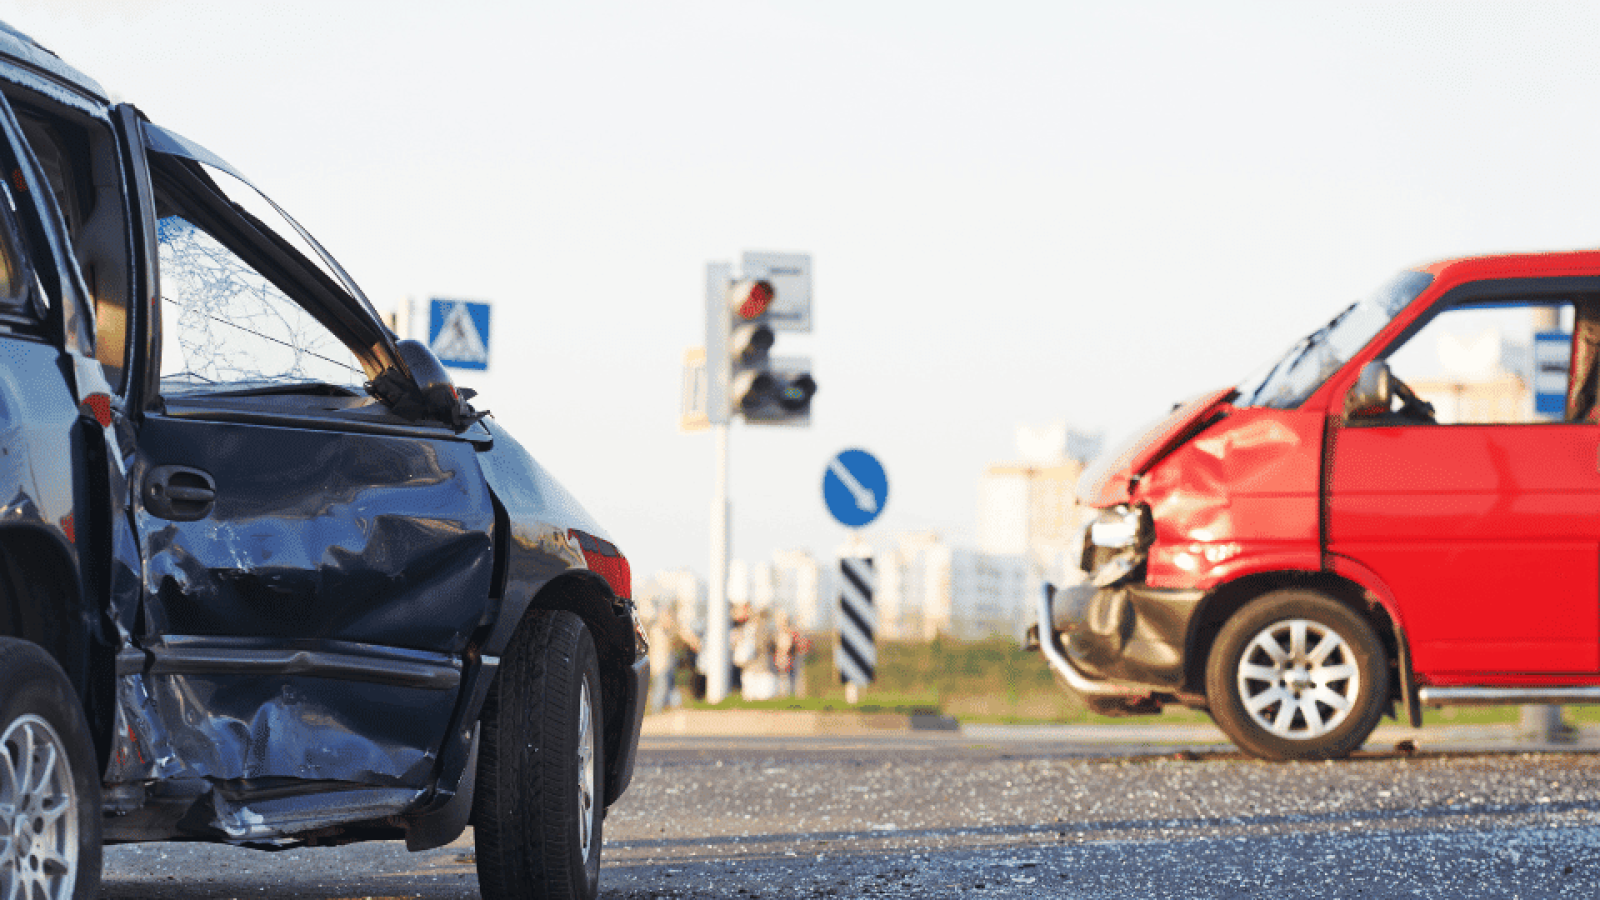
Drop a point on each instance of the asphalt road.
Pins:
(1006, 814)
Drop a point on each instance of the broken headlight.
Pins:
(1114, 542)
(1116, 528)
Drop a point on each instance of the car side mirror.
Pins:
(425, 390)
(1373, 392)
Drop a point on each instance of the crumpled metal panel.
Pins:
(373, 551)
(143, 751)
(318, 535)
(246, 727)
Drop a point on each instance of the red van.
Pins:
(1401, 511)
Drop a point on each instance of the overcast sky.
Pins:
(1017, 212)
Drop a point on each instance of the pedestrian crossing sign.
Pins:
(458, 332)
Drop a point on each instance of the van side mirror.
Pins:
(1373, 392)
(425, 390)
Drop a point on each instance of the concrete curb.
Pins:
(760, 722)
(740, 723)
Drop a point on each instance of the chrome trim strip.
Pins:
(1497, 696)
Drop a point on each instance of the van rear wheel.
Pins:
(1297, 675)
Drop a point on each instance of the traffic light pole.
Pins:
(715, 659)
(773, 292)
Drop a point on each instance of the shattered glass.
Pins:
(1314, 358)
(226, 325)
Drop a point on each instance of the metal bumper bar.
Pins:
(1075, 679)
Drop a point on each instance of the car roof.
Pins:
(1518, 265)
(38, 63)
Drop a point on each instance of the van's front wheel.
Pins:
(537, 807)
(1297, 675)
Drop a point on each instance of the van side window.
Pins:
(13, 277)
(1483, 364)
(225, 326)
(78, 158)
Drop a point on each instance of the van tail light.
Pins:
(604, 559)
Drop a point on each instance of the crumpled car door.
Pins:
(314, 566)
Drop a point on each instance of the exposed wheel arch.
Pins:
(41, 601)
(1298, 674)
(1228, 599)
(587, 594)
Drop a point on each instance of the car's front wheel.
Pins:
(540, 783)
(1297, 675)
(49, 790)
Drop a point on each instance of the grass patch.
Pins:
(990, 681)
(995, 681)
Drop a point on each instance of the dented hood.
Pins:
(1107, 481)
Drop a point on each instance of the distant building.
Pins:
(908, 598)
(679, 588)
(1029, 509)
(1504, 397)
(790, 582)
(926, 588)
(990, 593)
(797, 590)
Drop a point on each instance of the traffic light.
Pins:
(763, 389)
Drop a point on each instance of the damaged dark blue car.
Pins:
(266, 576)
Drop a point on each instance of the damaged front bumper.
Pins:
(1115, 640)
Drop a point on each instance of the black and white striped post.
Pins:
(856, 654)
(855, 488)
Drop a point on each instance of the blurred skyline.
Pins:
(1017, 213)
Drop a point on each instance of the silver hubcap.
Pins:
(1298, 679)
(585, 769)
(38, 814)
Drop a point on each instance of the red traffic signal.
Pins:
(750, 299)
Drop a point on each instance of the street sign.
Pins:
(693, 410)
(855, 487)
(458, 332)
(790, 277)
(1550, 352)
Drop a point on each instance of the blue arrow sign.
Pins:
(458, 332)
(855, 487)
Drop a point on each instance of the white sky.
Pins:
(1017, 212)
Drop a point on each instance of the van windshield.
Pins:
(1314, 358)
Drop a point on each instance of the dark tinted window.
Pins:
(13, 270)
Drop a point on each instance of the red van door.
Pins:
(1488, 535)
(1482, 514)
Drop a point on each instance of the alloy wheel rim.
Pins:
(1298, 679)
(38, 814)
(586, 773)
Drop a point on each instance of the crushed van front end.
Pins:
(1114, 639)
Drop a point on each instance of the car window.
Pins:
(69, 148)
(1491, 364)
(13, 280)
(226, 326)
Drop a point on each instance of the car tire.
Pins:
(1297, 675)
(538, 805)
(49, 789)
